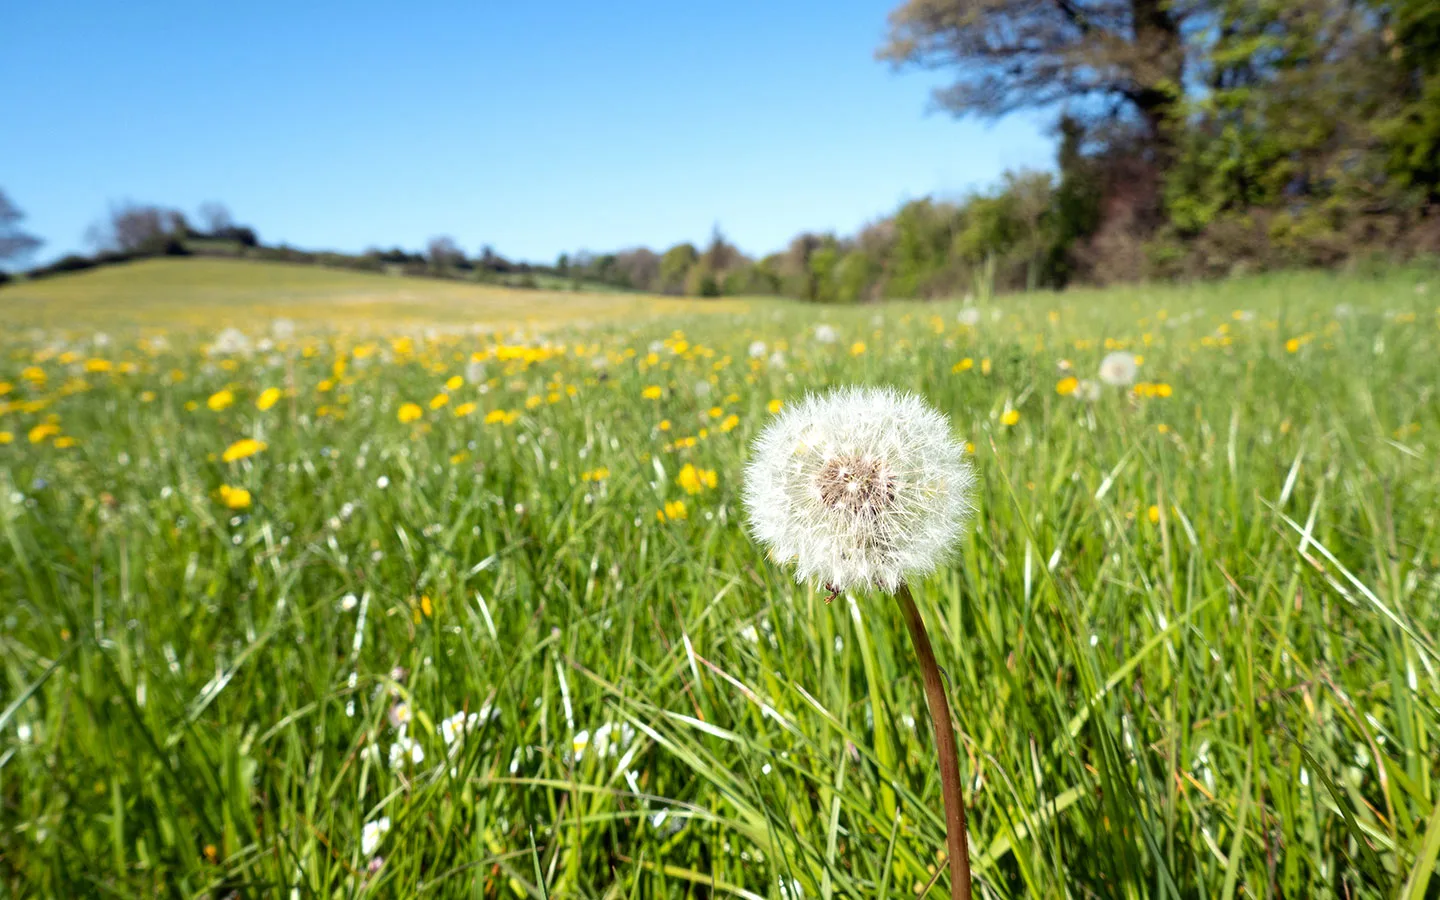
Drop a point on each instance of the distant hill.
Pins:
(206, 292)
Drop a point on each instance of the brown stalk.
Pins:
(945, 750)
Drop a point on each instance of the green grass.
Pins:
(1186, 661)
(210, 293)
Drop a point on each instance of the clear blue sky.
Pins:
(535, 127)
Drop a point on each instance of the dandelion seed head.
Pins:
(860, 487)
(1118, 369)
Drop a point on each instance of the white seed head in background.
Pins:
(858, 488)
(1118, 369)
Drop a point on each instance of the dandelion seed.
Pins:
(861, 487)
(826, 334)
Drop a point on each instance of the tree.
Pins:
(443, 253)
(141, 229)
(15, 244)
(1010, 55)
(675, 267)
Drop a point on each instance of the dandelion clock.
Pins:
(858, 488)
(866, 489)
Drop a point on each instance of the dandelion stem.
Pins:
(944, 747)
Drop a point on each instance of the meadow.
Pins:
(343, 604)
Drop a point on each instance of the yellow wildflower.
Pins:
(774, 406)
(42, 431)
(268, 398)
(454, 383)
(963, 365)
(857, 348)
(439, 400)
(1154, 514)
(651, 392)
(695, 480)
(221, 399)
(98, 365)
(730, 422)
(6, 437)
(243, 448)
(63, 443)
(464, 409)
(1010, 417)
(674, 511)
(1067, 386)
(409, 412)
(985, 366)
(233, 497)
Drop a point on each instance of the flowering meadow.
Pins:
(394, 608)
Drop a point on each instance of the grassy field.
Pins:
(211, 293)
(1190, 639)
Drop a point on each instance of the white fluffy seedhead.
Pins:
(860, 487)
(1118, 369)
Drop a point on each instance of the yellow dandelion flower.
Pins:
(425, 606)
(221, 399)
(63, 443)
(963, 365)
(98, 365)
(970, 448)
(5, 388)
(233, 497)
(664, 425)
(1163, 390)
(454, 383)
(652, 392)
(409, 412)
(1066, 386)
(730, 422)
(242, 449)
(1163, 428)
(464, 409)
(6, 437)
(774, 406)
(1154, 514)
(985, 366)
(1010, 417)
(857, 348)
(533, 401)
(1292, 345)
(459, 458)
(674, 511)
(439, 400)
(42, 431)
(268, 398)
(34, 374)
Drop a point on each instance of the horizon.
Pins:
(492, 127)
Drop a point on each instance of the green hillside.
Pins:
(218, 292)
